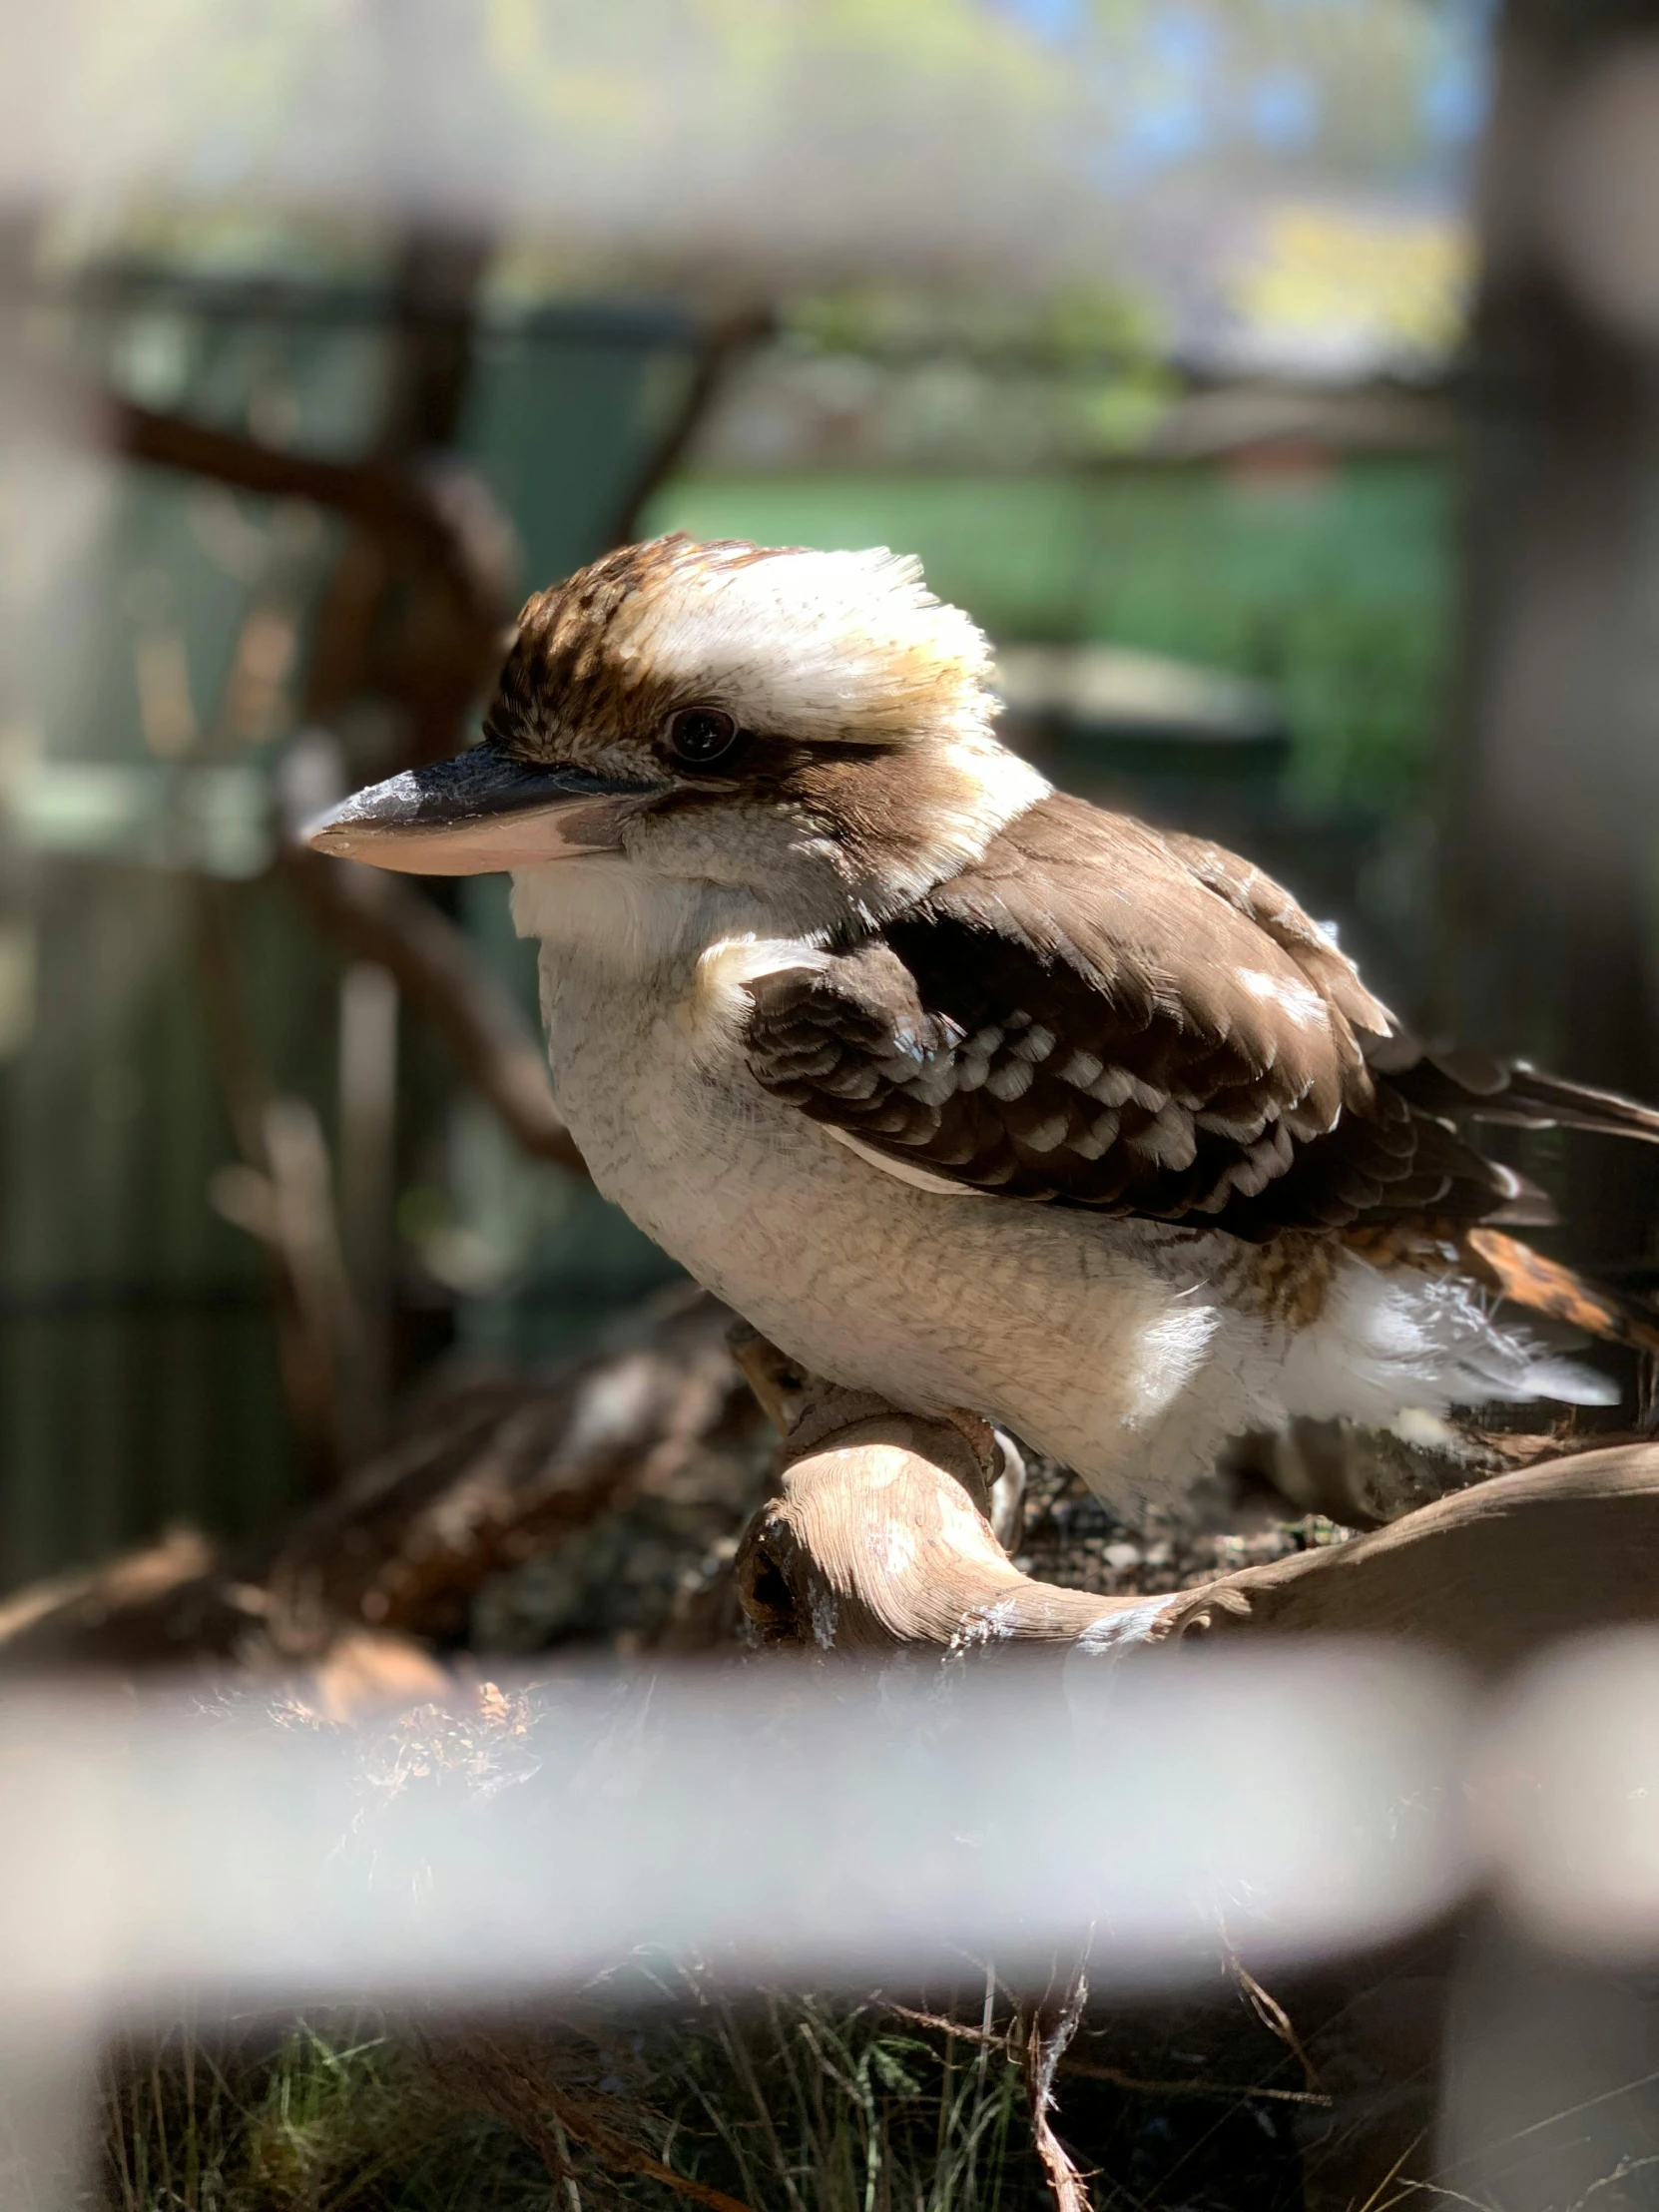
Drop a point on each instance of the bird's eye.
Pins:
(699, 735)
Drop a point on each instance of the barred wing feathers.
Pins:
(1098, 1015)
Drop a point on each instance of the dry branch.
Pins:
(1092, 2069)
(1048, 2034)
(488, 1474)
(720, 344)
(1490, 1573)
(395, 506)
(499, 1475)
(879, 1537)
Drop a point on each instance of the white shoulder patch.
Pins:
(717, 1004)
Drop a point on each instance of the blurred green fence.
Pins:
(138, 1375)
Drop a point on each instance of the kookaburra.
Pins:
(958, 1089)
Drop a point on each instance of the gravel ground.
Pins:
(1071, 1538)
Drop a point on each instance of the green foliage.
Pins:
(838, 2111)
(785, 2103)
(324, 2119)
(1078, 322)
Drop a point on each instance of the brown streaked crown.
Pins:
(572, 668)
(835, 649)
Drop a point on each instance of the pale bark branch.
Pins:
(877, 1537)
(1048, 2034)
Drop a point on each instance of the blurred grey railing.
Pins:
(791, 1825)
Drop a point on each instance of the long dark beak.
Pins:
(480, 812)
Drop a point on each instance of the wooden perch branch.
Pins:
(1489, 1573)
(879, 1537)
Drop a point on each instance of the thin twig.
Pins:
(1275, 2018)
(1090, 2070)
(1051, 2029)
(1093, 2069)
(719, 345)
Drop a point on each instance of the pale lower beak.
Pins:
(480, 812)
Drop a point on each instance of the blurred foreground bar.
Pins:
(1472, 1878)
(768, 1822)
(815, 1829)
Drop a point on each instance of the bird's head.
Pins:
(810, 729)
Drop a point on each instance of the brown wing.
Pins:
(1104, 1017)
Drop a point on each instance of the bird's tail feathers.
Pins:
(1474, 1086)
(1536, 1099)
